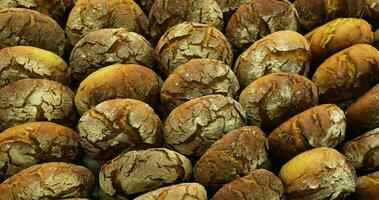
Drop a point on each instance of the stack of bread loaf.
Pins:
(189, 99)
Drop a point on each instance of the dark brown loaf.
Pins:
(141, 171)
(258, 18)
(92, 15)
(363, 151)
(259, 184)
(347, 74)
(368, 187)
(20, 62)
(195, 125)
(337, 35)
(317, 174)
(167, 13)
(19, 26)
(36, 142)
(54, 8)
(183, 191)
(320, 126)
(53, 180)
(105, 47)
(274, 98)
(118, 81)
(190, 40)
(36, 100)
(196, 78)
(282, 51)
(114, 126)
(235, 155)
(363, 114)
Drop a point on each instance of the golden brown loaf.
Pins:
(181, 191)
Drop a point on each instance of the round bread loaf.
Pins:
(258, 18)
(141, 171)
(235, 155)
(320, 126)
(114, 126)
(196, 78)
(195, 125)
(118, 81)
(363, 151)
(320, 173)
(259, 184)
(92, 15)
(21, 62)
(54, 180)
(190, 40)
(19, 26)
(181, 191)
(105, 47)
(274, 98)
(368, 187)
(167, 13)
(36, 100)
(282, 51)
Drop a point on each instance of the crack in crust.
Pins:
(258, 18)
(19, 26)
(21, 62)
(274, 98)
(167, 13)
(36, 100)
(282, 51)
(36, 142)
(55, 180)
(234, 155)
(195, 125)
(190, 40)
(109, 46)
(119, 125)
(92, 15)
(183, 191)
(118, 81)
(196, 78)
(140, 171)
(259, 184)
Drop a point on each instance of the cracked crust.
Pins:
(92, 15)
(196, 78)
(167, 13)
(22, 62)
(119, 81)
(321, 173)
(184, 191)
(363, 114)
(190, 40)
(194, 126)
(236, 154)
(228, 7)
(141, 171)
(55, 180)
(54, 8)
(259, 18)
(119, 125)
(19, 26)
(372, 9)
(337, 35)
(320, 126)
(36, 142)
(368, 187)
(109, 46)
(259, 184)
(315, 13)
(363, 151)
(274, 98)
(282, 51)
(347, 74)
(36, 100)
